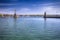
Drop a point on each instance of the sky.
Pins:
(30, 6)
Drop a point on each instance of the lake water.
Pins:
(29, 29)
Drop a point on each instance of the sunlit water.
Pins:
(29, 29)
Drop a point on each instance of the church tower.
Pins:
(15, 14)
(44, 14)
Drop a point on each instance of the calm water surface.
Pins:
(29, 29)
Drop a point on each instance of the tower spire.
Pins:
(15, 13)
(44, 14)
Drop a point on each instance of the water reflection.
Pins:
(29, 29)
(3, 22)
(15, 25)
(45, 23)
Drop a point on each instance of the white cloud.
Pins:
(25, 9)
(6, 4)
(37, 9)
(14, 0)
(51, 10)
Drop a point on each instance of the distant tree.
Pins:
(0, 15)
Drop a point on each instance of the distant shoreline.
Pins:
(47, 16)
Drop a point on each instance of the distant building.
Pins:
(44, 14)
(15, 14)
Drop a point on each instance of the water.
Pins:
(29, 29)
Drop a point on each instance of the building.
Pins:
(44, 14)
(15, 14)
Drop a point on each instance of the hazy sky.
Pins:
(30, 6)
